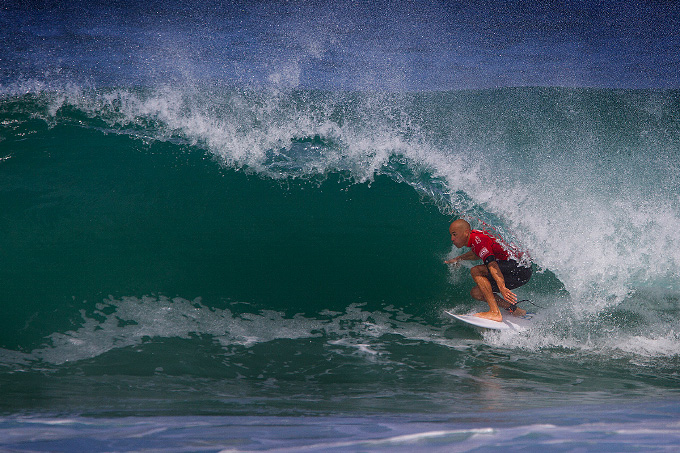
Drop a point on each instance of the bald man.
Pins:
(500, 272)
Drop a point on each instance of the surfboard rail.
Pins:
(510, 322)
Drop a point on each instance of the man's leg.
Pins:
(502, 303)
(483, 291)
(505, 304)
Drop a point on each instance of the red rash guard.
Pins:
(487, 248)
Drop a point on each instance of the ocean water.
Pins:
(223, 225)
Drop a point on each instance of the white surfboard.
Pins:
(510, 322)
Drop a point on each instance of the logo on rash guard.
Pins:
(483, 252)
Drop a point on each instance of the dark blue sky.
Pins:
(419, 45)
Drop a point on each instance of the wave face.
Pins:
(267, 244)
(138, 218)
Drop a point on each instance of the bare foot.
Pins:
(493, 316)
(519, 312)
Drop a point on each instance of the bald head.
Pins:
(460, 233)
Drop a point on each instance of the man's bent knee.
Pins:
(479, 271)
(476, 293)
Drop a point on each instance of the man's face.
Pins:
(459, 235)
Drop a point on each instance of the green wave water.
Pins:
(281, 252)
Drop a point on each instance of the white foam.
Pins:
(131, 321)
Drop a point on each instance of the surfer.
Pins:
(500, 272)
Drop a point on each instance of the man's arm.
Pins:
(468, 256)
(495, 272)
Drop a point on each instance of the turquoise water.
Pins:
(246, 250)
(152, 269)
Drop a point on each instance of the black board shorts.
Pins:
(513, 274)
